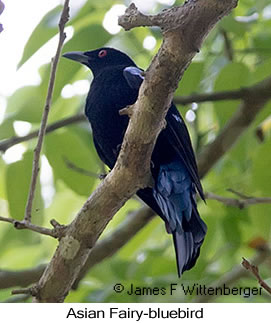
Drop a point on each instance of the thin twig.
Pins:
(228, 45)
(240, 203)
(35, 171)
(24, 291)
(255, 271)
(7, 143)
(126, 111)
(80, 170)
(57, 232)
(241, 195)
(234, 275)
(32, 291)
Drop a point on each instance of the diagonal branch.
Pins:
(35, 171)
(249, 108)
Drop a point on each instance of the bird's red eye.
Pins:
(102, 53)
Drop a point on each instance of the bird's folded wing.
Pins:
(176, 131)
(178, 136)
(133, 76)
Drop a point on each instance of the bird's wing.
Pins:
(178, 136)
(101, 154)
(176, 131)
(133, 76)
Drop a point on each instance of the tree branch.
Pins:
(102, 250)
(35, 171)
(7, 143)
(249, 108)
(255, 271)
(240, 203)
(57, 232)
(22, 278)
(80, 170)
(175, 17)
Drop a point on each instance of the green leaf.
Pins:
(262, 44)
(231, 25)
(18, 176)
(232, 76)
(65, 148)
(27, 104)
(6, 128)
(261, 175)
(2, 182)
(260, 221)
(191, 79)
(230, 225)
(44, 31)
(65, 205)
(262, 71)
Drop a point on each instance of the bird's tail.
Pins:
(174, 193)
(187, 242)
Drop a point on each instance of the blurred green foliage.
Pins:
(148, 259)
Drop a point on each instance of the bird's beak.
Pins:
(77, 56)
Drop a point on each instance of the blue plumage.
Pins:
(174, 192)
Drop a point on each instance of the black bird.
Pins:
(115, 85)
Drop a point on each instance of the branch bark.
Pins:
(35, 171)
(22, 278)
(57, 232)
(192, 23)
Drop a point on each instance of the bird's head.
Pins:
(101, 58)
